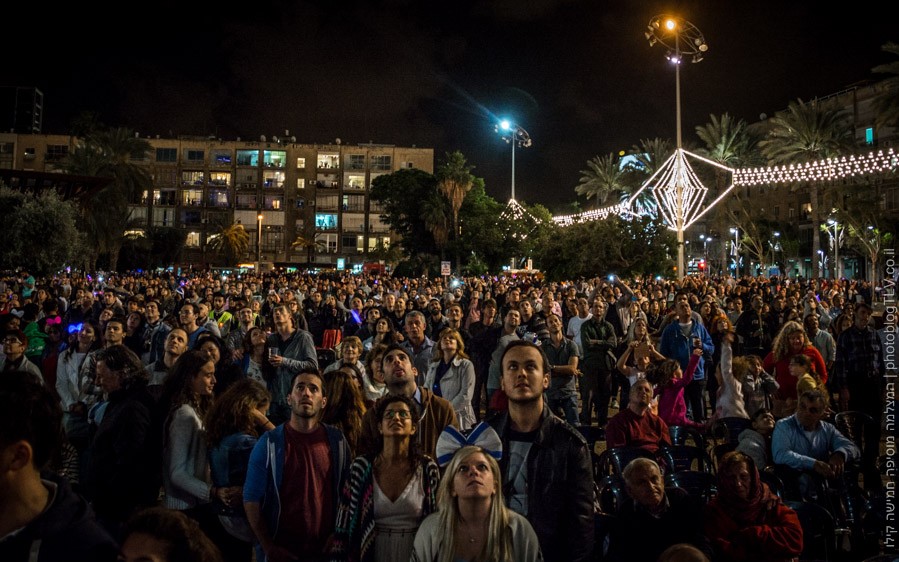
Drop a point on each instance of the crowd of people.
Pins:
(369, 417)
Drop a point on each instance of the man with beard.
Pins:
(294, 478)
(437, 413)
(546, 465)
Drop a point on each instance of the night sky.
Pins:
(578, 75)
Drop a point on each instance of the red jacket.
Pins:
(778, 537)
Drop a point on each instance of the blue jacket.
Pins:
(266, 469)
(674, 345)
(790, 446)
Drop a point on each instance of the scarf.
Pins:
(752, 510)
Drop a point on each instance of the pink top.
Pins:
(672, 407)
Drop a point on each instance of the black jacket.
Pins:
(560, 487)
(124, 469)
(638, 536)
(65, 532)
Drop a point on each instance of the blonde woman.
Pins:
(451, 376)
(473, 523)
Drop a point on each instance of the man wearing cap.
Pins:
(14, 345)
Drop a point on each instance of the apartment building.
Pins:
(280, 190)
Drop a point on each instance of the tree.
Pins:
(649, 156)
(888, 102)
(454, 180)
(755, 231)
(803, 133)
(602, 179)
(434, 212)
(401, 195)
(105, 216)
(625, 247)
(867, 226)
(311, 246)
(729, 143)
(38, 231)
(230, 242)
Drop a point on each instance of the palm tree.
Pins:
(434, 213)
(105, 215)
(231, 241)
(649, 156)
(888, 104)
(602, 178)
(454, 180)
(730, 143)
(803, 133)
(311, 245)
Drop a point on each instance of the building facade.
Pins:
(281, 191)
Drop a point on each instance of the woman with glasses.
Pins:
(388, 494)
(451, 376)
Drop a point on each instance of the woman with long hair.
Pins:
(254, 362)
(473, 522)
(233, 425)
(385, 334)
(387, 494)
(745, 520)
(135, 331)
(345, 406)
(791, 340)
(227, 372)
(188, 390)
(451, 376)
(69, 384)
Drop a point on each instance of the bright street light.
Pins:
(513, 134)
(258, 241)
(679, 37)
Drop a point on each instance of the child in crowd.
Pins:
(670, 382)
(806, 378)
(731, 372)
(758, 386)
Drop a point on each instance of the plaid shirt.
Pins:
(859, 356)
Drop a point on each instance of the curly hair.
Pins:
(124, 363)
(780, 347)
(180, 535)
(415, 453)
(232, 411)
(661, 374)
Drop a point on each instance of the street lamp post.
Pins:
(513, 134)
(687, 40)
(258, 241)
(735, 250)
(835, 241)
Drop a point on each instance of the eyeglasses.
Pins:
(403, 414)
(8, 341)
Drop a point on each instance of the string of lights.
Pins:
(821, 170)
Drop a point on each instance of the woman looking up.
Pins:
(387, 495)
(451, 376)
(473, 523)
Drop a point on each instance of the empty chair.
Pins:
(612, 493)
(730, 429)
(592, 434)
(818, 530)
(686, 457)
(775, 484)
(682, 435)
(860, 428)
(613, 461)
(701, 485)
